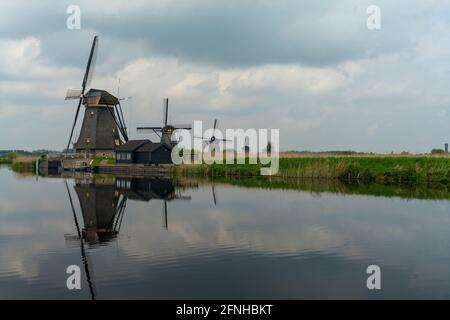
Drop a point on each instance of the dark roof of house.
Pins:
(151, 146)
(132, 145)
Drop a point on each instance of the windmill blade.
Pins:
(90, 279)
(214, 195)
(165, 110)
(215, 140)
(164, 215)
(73, 210)
(215, 126)
(91, 64)
(74, 123)
(182, 126)
(148, 129)
(73, 142)
(122, 120)
(73, 94)
(118, 122)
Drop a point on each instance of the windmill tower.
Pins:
(103, 128)
(165, 132)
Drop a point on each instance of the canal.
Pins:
(185, 238)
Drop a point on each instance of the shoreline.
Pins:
(388, 169)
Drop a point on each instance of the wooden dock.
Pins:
(132, 169)
(68, 165)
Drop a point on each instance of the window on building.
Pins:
(128, 156)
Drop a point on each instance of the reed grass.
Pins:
(368, 169)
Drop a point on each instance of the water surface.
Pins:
(188, 239)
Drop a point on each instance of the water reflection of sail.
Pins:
(84, 256)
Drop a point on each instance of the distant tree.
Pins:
(437, 151)
(12, 156)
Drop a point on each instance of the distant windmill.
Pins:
(213, 138)
(103, 119)
(166, 131)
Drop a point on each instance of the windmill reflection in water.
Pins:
(103, 205)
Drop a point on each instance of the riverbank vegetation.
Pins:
(8, 158)
(19, 162)
(388, 169)
(428, 191)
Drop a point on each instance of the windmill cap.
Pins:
(100, 97)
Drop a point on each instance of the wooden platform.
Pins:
(132, 169)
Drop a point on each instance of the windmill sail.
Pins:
(91, 64)
(73, 94)
(165, 111)
(86, 80)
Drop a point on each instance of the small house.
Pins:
(126, 153)
(144, 152)
(154, 153)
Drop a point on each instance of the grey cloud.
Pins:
(227, 33)
(410, 53)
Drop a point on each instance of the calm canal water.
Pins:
(164, 239)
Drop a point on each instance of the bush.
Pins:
(437, 151)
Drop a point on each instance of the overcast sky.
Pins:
(309, 68)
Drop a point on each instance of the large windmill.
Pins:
(165, 132)
(103, 127)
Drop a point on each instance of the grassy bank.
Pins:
(8, 158)
(367, 169)
(24, 164)
(103, 160)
